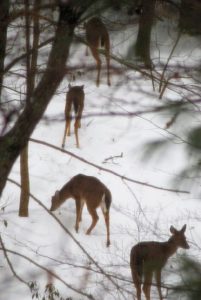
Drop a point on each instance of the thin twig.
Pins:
(169, 57)
(108, 170)
(10, 264)
(48, 271)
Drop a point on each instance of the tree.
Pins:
(4, 8)
(142, 47)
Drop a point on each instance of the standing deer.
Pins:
(89, 190)
(75, 98)
(97, 34)
(147, 258)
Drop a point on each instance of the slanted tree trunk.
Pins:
(142, 47)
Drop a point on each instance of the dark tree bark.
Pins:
(190, 16)
(4, 14)
(24, 171)
(142, 47)
(16, 139)
(31, 66)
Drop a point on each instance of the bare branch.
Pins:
(108, 170)
(10, 264)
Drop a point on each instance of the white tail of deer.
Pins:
(97, 34)
(74, 100)
(147, 258)
(89, 190)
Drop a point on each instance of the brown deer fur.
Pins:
(89, 190)
(97, 34)
(75, 98)
(147, 258)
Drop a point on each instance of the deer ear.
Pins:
(183, 228)
(82, 87)
(172, 230)
(69, 86)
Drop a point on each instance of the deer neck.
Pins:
(64, 194)
(171, 247)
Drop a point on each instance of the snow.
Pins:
(137, 213)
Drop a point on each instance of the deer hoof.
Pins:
(108, 243)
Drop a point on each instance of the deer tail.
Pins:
(107, 199)
(76, 106)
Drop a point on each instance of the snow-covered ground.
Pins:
(138, 212)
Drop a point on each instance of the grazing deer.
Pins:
(97, 34)
(147, 258)
(75, 98)
(89, 190)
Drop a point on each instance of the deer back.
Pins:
(82, 187)
(75, 97)
(96, 32)
(91, 190)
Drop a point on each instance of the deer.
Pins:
(90, 190)
(150, 257)
(97, 34)
(74, 97)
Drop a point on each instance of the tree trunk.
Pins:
(24, 171)
(4, 14)
(190, 16)
(142, 47)
(16, 139)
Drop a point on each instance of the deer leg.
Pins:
(95, 218)
(65, 131)
(107, 223)
(147, 284)
(108, 64)
(78, 212)
(137, 279)
(158, 283)
(81, 209)
(76, 126)
(68, 128)
(95, 54)
(138, 289)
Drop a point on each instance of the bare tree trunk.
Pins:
(16, 139)
(4, 14)
(190, 16)
(24, 168)
(24, 171)
(31, 66)
(142, 47)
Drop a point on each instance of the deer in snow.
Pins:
(97, 34)
(75, 98)
(89, 190)
(147, 258)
